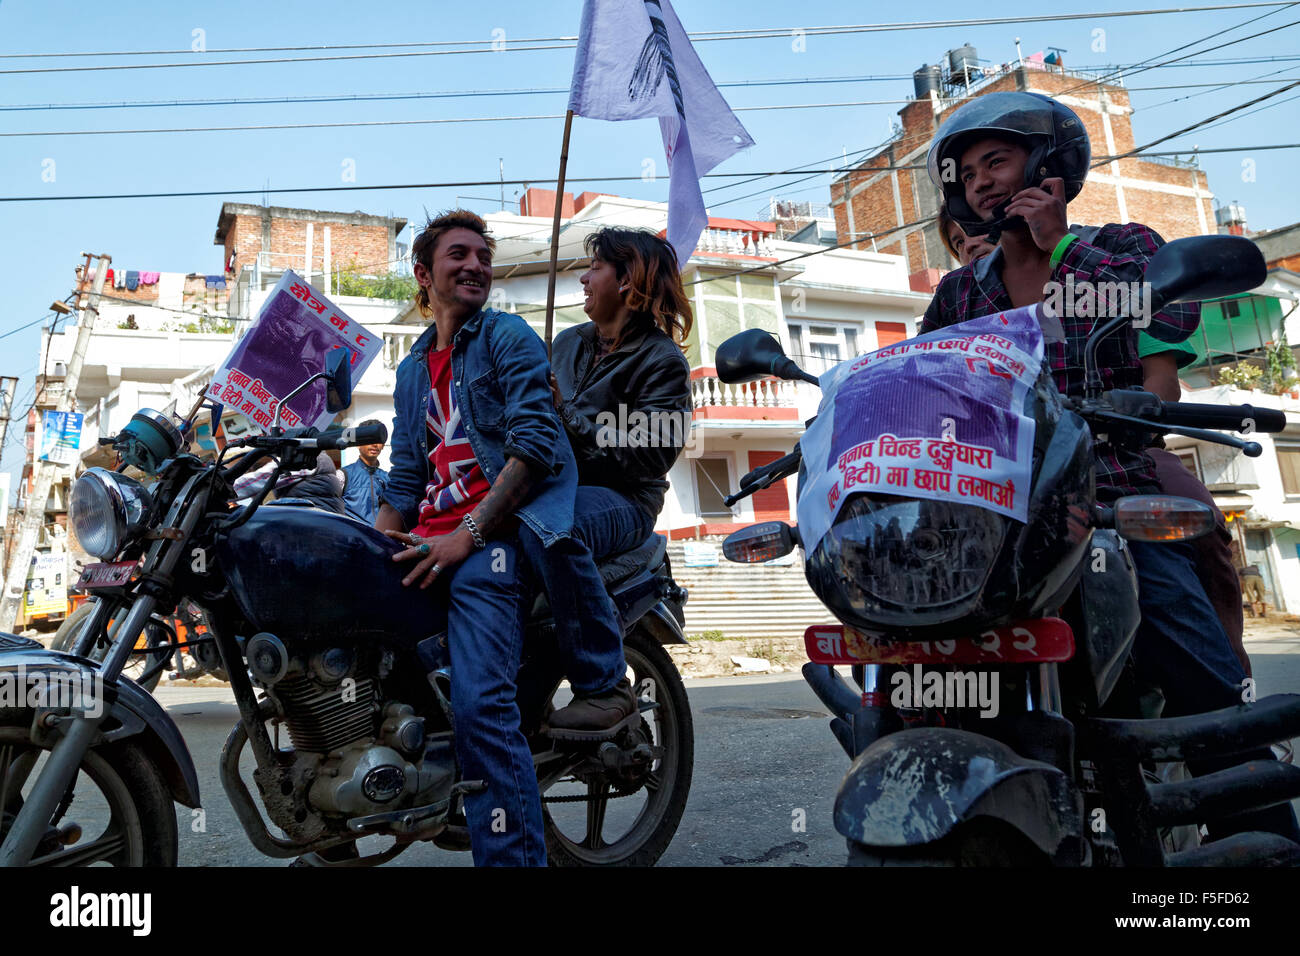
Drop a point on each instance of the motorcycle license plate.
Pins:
(101, 575)
(1032, 642)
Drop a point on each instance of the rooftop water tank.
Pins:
(927, 79)
(963, 60)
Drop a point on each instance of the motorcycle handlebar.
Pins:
(1241, 418)
(374, 434)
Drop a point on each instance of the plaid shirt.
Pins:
(1111, 254)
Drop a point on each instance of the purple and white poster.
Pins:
(936, 416)
(286, 346)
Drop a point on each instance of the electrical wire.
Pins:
(530, 44)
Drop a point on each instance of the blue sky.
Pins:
(40, 240)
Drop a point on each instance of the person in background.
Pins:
(364, 481)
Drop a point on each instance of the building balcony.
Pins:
(765, 400)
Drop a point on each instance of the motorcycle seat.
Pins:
(616, 568)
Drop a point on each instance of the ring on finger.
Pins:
(424, 550)
(435, 570)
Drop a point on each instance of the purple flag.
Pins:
(634, 60)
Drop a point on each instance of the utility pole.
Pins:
(47, 471)
(8, 384)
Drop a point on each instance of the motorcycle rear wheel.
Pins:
(119, 792)
(665, 790)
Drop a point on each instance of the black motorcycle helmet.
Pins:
(1054, 135)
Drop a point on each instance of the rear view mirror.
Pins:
(760, 542)
(338, 379)
(1204, 267)
(752, 354)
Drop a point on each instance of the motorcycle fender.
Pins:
(662, 625)
(915, 786)
(135, 714)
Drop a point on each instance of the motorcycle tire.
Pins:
(979, 843)
(66, 637)
(654, 673)
(120, 778)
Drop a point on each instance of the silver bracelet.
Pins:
(474, 532)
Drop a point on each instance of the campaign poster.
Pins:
(47, 584)
(287, 345)
(60, 437)
(937, 416)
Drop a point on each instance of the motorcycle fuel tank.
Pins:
(297, 571)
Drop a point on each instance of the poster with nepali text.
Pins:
(937, 416)
(286, 346)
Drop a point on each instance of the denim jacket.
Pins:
(498, 374)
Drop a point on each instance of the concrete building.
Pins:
(888, 202)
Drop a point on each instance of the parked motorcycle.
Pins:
(320, 640)
(1064, 773)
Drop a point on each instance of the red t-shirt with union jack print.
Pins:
(456, 482)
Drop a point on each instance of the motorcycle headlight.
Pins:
(106, 509)
(890, 563)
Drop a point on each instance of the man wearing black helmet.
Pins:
(1007, 163)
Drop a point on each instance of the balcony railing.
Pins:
(708, 390)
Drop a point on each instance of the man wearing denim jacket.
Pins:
(490, 409)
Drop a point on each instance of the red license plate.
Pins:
(106, 575)
(1033, 642)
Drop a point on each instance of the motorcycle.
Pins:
(1043, 609)
(310, 622)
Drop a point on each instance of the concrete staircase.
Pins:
(747, 601)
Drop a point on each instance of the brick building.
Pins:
(309, 241)
(1170, 196)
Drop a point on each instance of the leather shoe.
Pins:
(598, 714)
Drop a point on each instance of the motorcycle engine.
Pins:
(366, 755)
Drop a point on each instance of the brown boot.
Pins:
(595, 718)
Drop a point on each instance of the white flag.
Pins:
(635, 60)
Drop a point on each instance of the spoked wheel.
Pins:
(118, 811)
(628, 817)
(155, 639)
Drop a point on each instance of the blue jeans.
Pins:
(486, 607)
(1182, 648)
(588, 632)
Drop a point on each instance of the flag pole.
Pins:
(555, 231)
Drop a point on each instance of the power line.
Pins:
(421, 122)
(557, 90)
(700, 36)
(538, 180)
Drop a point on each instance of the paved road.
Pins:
(763, 752)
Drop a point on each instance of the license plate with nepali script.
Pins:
(1032, 642)
(103, 575)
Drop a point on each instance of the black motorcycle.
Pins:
(1043, 610)
(322, 645)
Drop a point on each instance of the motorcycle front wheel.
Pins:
(117, 812)
(596, 821)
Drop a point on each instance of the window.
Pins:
(818, 348)
(712, 485)
(1288, 463)
(1190, 460)
(1231, 309)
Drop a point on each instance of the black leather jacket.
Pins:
(628, 416)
